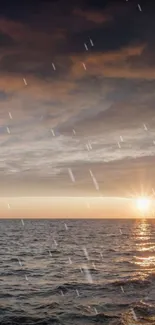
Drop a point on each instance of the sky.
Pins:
(77, 82)
(73, 208)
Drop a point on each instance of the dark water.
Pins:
(47, 275)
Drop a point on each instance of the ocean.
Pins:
(77, 272)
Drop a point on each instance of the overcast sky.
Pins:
(77, 94)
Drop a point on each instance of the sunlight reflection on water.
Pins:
(145, 245)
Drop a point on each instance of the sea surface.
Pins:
(77, 272)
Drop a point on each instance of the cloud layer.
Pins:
(80, 90)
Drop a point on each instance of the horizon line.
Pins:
(68, 197)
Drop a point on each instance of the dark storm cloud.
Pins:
(6, 41)
(113, 97)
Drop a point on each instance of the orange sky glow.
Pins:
(70, 207)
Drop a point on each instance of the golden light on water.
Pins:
(145, 246)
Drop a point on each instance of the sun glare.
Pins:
(143, 204)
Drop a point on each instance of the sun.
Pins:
(143, 204)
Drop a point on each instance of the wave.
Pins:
(137, 281)
(135, 314)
